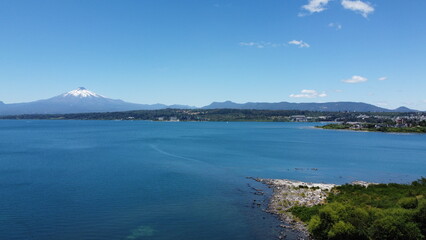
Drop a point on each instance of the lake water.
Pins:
(175, 180)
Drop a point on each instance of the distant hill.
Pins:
(404, 109)
(79, 100)
(329, 106)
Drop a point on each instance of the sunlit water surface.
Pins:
(166, 180)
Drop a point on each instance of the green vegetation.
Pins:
(336, 126)
(376, 128)
(306, 187)
(384, 211)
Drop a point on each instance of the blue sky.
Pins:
(195, 52)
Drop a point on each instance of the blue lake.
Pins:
(175, 180)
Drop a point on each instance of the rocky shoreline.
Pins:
(289, 193)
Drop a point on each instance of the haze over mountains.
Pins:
(82, 100)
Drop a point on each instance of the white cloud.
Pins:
(261, 44)
(251, 44)
(337, 26)
(305, 93)
(355, 79)
(315, 6)
(383, 78)
(300, 43)
(363, 8)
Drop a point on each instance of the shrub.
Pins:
(420, 216)
(342, 230)
(395, 228)
(408, 202)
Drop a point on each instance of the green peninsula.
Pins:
(355, 211)
(376, 211)
(371, 127)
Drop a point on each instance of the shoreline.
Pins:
(290, 193)
(367, 131)
(401, 131)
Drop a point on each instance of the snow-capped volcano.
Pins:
(79, 100)
(81, 92)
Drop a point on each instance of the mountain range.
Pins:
(325, 107)
(82, 100)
